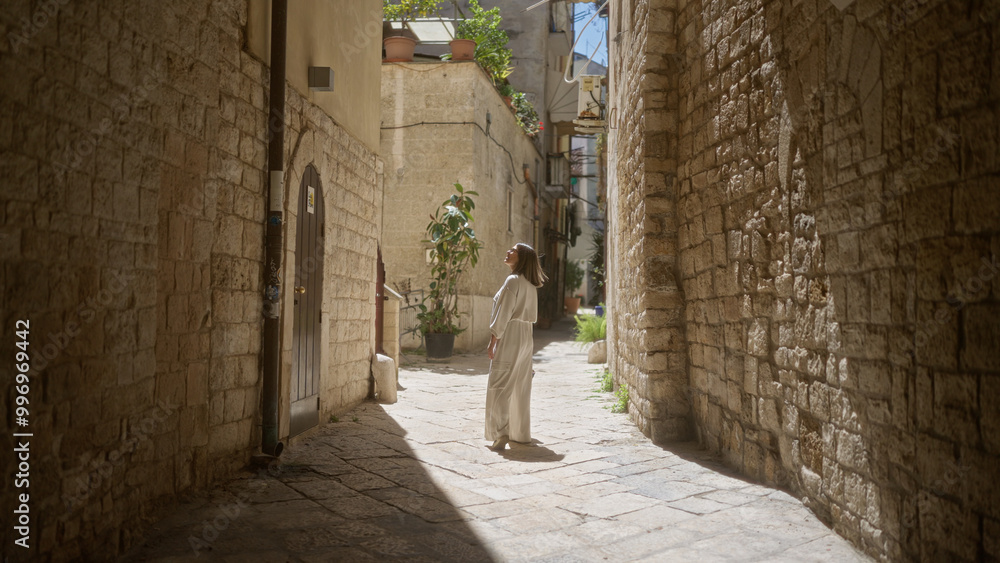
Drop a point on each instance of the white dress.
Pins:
(508, 393)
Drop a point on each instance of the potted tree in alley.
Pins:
(400, 47)
(455, 248)
(574, 279)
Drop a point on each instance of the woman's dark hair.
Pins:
(528, 265)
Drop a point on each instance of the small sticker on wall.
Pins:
(311, 204)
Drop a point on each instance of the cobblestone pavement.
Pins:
(414, 481)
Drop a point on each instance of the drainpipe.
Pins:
(271, 345)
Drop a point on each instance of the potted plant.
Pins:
(574, 279)
(593, 329)
(400, 47)
(455, 248)
(491, 50)
(463, 46)
(527, 117)
(507, 93)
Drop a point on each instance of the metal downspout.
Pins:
(271, 345)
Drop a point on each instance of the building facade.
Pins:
(445, 123)
(133, 212)
(540, 40)
(806, 192)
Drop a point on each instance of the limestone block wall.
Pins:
(435, 133)
(837, 232)
(646, 331)
(350, 175)
(131, 217)
(839, 261)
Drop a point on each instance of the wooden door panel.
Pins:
(308, 280)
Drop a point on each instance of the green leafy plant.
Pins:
(492, 53)
(507, 91)
(455, 249)
(334, 418)
(622, 404)
(607, 382)
(355, 419)
(407, 10)
(470, 28)
(527, 117)
(590, 328)
(574, 277)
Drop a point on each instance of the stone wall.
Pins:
(837, 232)
(132, 211)
(351, 178)
(646, 332)
(435, 133)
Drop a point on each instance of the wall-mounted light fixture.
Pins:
(321, 78)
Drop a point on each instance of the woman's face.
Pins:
(511, 257)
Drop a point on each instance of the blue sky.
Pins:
(593, 34)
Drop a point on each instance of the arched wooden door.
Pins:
(307, 313)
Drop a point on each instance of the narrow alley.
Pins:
(227, 225)
(414, 481)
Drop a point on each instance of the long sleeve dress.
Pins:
(508, 393)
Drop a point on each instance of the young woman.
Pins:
(515, 308)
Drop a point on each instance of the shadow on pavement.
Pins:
(459, 364)
(530, 454)
(694, 452)
(353, 491)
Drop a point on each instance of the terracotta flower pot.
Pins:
(462, 49)
(399, 48)
(572, 305)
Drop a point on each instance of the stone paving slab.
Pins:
(414, 481)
